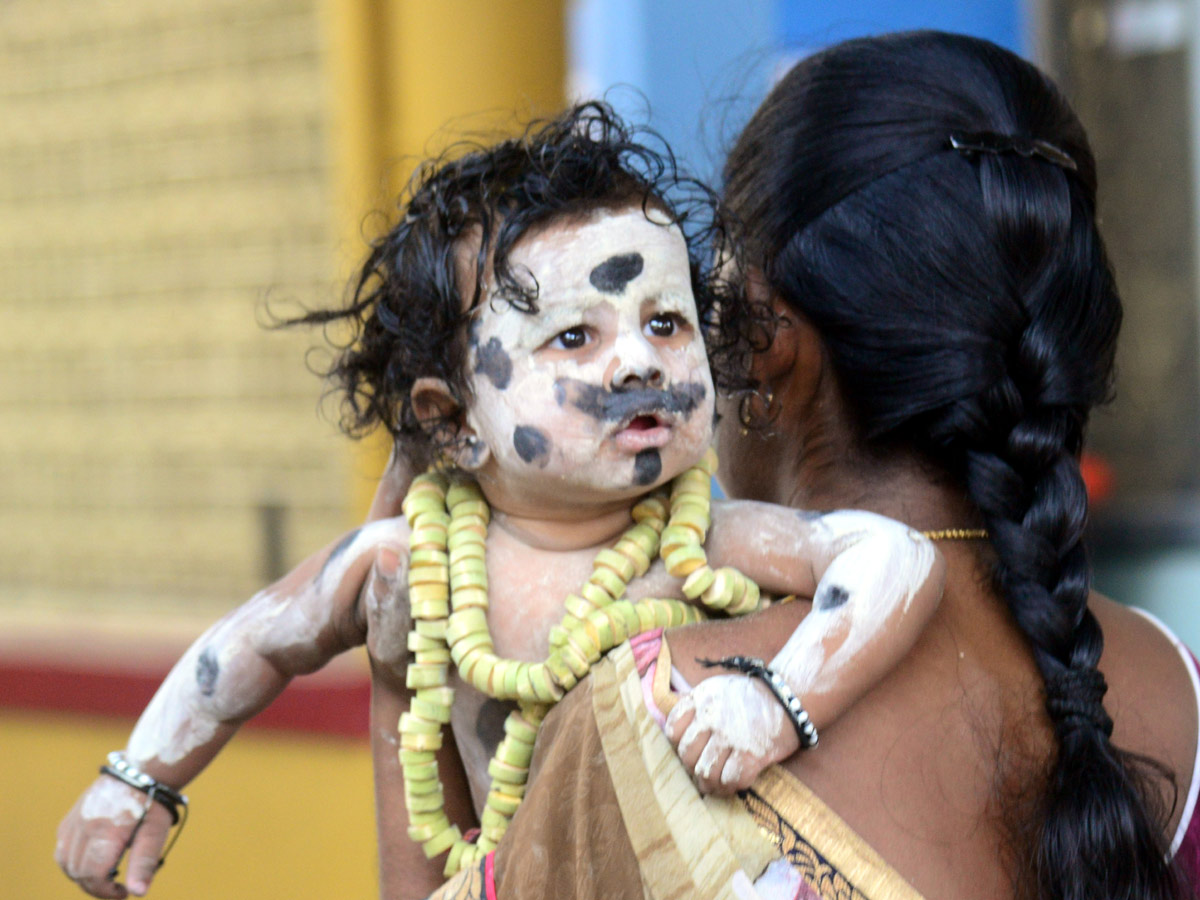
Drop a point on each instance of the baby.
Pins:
(537, 320)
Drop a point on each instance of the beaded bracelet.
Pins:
(120, 768)
(756, 668)
(123, 770)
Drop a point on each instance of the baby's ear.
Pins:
(441, 416)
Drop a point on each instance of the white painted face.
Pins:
(606, 389)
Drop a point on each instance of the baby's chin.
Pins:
(595, 473)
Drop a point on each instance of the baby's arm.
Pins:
(231, 673)
(874, 584)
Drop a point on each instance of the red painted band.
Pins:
(309, 704)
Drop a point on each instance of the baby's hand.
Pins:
(96, 830)
(727, 730)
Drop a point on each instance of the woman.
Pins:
(917, 211)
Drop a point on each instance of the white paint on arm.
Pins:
(111, 799)
(866, 615)
(245, 660)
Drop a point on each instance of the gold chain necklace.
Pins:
(448, 595)
(957, 534)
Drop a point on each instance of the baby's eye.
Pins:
(571, 339)
(664, 325)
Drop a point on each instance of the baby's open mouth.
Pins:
(643, 432)
(643, 423)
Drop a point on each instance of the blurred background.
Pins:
(173, 170)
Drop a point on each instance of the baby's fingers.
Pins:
(679, 719)
(710, 765)
(146, 850)
(92, 861)
(740, 771)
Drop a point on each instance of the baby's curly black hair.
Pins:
(407, 314)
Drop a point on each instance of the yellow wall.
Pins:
(163, 170)
(165, 166)
(274, 817)
(166, 169)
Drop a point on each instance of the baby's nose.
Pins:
(629, 375)
(634, 364)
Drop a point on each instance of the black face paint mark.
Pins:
(473, 453)
(614, 406)
(647, 466)
(207, 670)
(831, 597)
(492, 362)
(489, 724)
(531, 444)
(337, 551)
(614, 273)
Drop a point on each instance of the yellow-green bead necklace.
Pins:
(448, 593)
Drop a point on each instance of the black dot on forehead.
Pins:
(614, 273)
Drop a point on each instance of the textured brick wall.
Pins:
(163, 170)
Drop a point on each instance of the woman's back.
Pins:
(944, 762)
(920, 209)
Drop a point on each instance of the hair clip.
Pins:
(990, 142)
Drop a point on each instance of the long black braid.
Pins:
(971, 316)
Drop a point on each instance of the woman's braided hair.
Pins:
(970, 315)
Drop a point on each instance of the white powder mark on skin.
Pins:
(732, 773)
(294, 626)
(580, 451)
(740, 718)
(864, 572)
(173, 724)
(110, 799)
(276, 624)
(880, 565)
(380, 533)
(708, 759)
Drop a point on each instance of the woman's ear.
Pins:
(790, 367)
(441, 416)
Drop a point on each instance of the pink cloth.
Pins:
(489, 875)
(645, 648)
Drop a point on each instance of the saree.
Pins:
(611, 813)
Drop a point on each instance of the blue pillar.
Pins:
(808, 25)
(697, 67)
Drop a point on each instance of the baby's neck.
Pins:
(546, 531)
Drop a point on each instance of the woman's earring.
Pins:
(754, 410)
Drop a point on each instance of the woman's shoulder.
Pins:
(1153, 693)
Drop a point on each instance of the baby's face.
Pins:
(606, 389)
